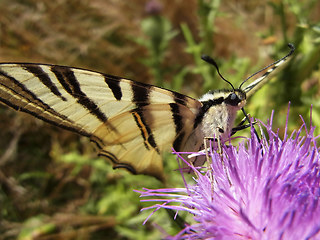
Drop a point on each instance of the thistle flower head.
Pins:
(258, 190)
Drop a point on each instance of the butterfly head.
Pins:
(219, 108)
(236, 98)
(233, 100)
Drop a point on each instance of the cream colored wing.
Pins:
(135, 140)
(131, 123)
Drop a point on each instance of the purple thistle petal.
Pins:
(274, 191)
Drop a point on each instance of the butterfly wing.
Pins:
(136, 139)
(130, 122)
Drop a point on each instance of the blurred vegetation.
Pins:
(51, 184)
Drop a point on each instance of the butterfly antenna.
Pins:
(210, 60)
(292, 48)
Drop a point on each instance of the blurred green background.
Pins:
(52, 185)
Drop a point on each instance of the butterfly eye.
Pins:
(233, 99)
(233, 96)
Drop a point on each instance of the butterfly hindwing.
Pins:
(131, 123)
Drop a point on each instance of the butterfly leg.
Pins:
(208, 159)
(240, 127)
(248, 119)
(206, 148)
(219, 150)
(222, 161)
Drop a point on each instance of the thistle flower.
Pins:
(258, 190)
(153, 7)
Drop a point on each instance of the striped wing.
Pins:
(130, 122)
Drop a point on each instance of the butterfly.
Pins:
(131, 123)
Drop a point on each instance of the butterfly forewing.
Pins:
(130, 122)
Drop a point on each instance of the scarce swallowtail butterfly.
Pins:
(131, 123)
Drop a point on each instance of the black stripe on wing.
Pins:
(38, 108)
(141, 99)
(180, 98)
(146, 132)
(115, 162)
(52, 122)
(30, 96)
(177, 119)
(38, 72)
(68, 80)
(114, 84)
(140, 93)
